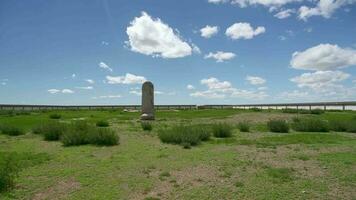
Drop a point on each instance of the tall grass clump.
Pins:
(55, 116)
(102, 123)
(51, 131)
(8, 172)
(243, 126)
(185, 135)
(255, 109)
(222, 130)
(103, 137)
(11, 130)
(278, 126)
(146, 126)
(317, 111)
(310, 124)
(81, 133)
(289, 110)
(339, 125)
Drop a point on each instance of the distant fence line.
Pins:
(320, 105)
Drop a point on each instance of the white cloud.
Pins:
(222, 89)
(74, 75)
(190, 87)
(220, 56)
(67, 91)
(282, 38)
(255, 80)
(209, 31)
(90, 81)
(243, 30)
(324, 8)
(284, 13)
(53, 91)
(295, 94)
(158, 92)
(104, 43)
(324, 57)
(127, 79)
(217, 1)
(153, 37)
(64, 91)
(107, 97)
(135, 92)
(105, 66)
(320, 80)
(3, 83)
(196, 49)
(86, 88)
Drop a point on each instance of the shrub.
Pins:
(304, 111)
(351, 127)
(317, 111)
(186, 135)
(102, 123)
(8, 172)
(11, 130)
(51, 131)
(289, 110)
(255, 109)
(103, 137)
(76, 134)
(222, 130)
(55, 116)
(244, 126)
(146, 126)
(278, 126)
(310, 125)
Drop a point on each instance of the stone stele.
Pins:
(147, 101)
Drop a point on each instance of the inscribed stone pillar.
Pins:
(147, 101)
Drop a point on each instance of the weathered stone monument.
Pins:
(147, 101)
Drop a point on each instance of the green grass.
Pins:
(55, 116)
(244, 126)
(11, 130)
(146, 126)
(310, 124)
(296, 165)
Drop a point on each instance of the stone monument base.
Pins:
(147, 117)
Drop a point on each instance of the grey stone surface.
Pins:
(147, 101)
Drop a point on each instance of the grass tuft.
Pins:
(244, 126)
(55, 116)
(146, 126)
(278, 126)
(51, 131)
(280, 175)
(310, 124)
(222, 130)
(11, 130)
(8, 172)
(102, 123)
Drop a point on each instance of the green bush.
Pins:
(303, 111)
(102, 123)
(278, 126)
(244, 126)
(51, 131)
(310, 124)
(55, 116)
(222, 130)
(146, 126)
(8, 172)
(317, 111)
(103, 137)
(255, 109)
(186, 135)
(11, 130)
(289, 110)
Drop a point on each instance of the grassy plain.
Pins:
(249, 165)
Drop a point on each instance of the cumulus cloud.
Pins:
(284, 13)
(90, 81)
(190, 87)
(255, 80)
(209, 31)
(295, 94)
(153, 37)
(136, 92)
(324, 8)
(127, 79)
(220, 56)
(243, 30)
(64, 91)
(217, 1)
(245, 3)
(74, 75)
(217, 89)
(105, 66)
(324, 57)
(320, 80)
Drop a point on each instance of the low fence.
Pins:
(349, 105)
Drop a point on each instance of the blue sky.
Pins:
(195, 52)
